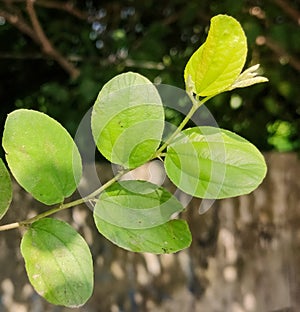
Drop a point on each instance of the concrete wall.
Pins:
(245, 255)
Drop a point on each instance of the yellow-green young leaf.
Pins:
(213, 163)
(169, 237)
(58, 262)
(128, 120)
(5, 189)
(136, 205)
(41, 155)
(219, 61)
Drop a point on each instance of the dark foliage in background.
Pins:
(56, 55)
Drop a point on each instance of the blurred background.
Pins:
(55, 56)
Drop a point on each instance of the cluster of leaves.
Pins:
(127, 125)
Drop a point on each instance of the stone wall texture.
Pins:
(245, 255)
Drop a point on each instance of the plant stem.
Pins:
(63, 206)
(196, 105)
(158, 154)
(105, 185)
(9, 226)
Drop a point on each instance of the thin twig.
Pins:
(9, 226)
(289, 10)
(37, 34)
(63, 206)
(67, 6)
(279, 51)
(46, 44)
(19, 22)
(196, 105)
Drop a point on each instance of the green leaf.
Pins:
(136, 205)
(219, 61)
(41, 155)
(213, 163)
(128, 120)
(58, 262)
(169, 237)
(5, 189)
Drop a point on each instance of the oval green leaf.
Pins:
(128, 120)
(219, 61)
(5, 189)
(58, 262)
(41, 155)
(136, 205)
(169, 237)
(213, 163)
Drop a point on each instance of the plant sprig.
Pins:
(127, 125)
